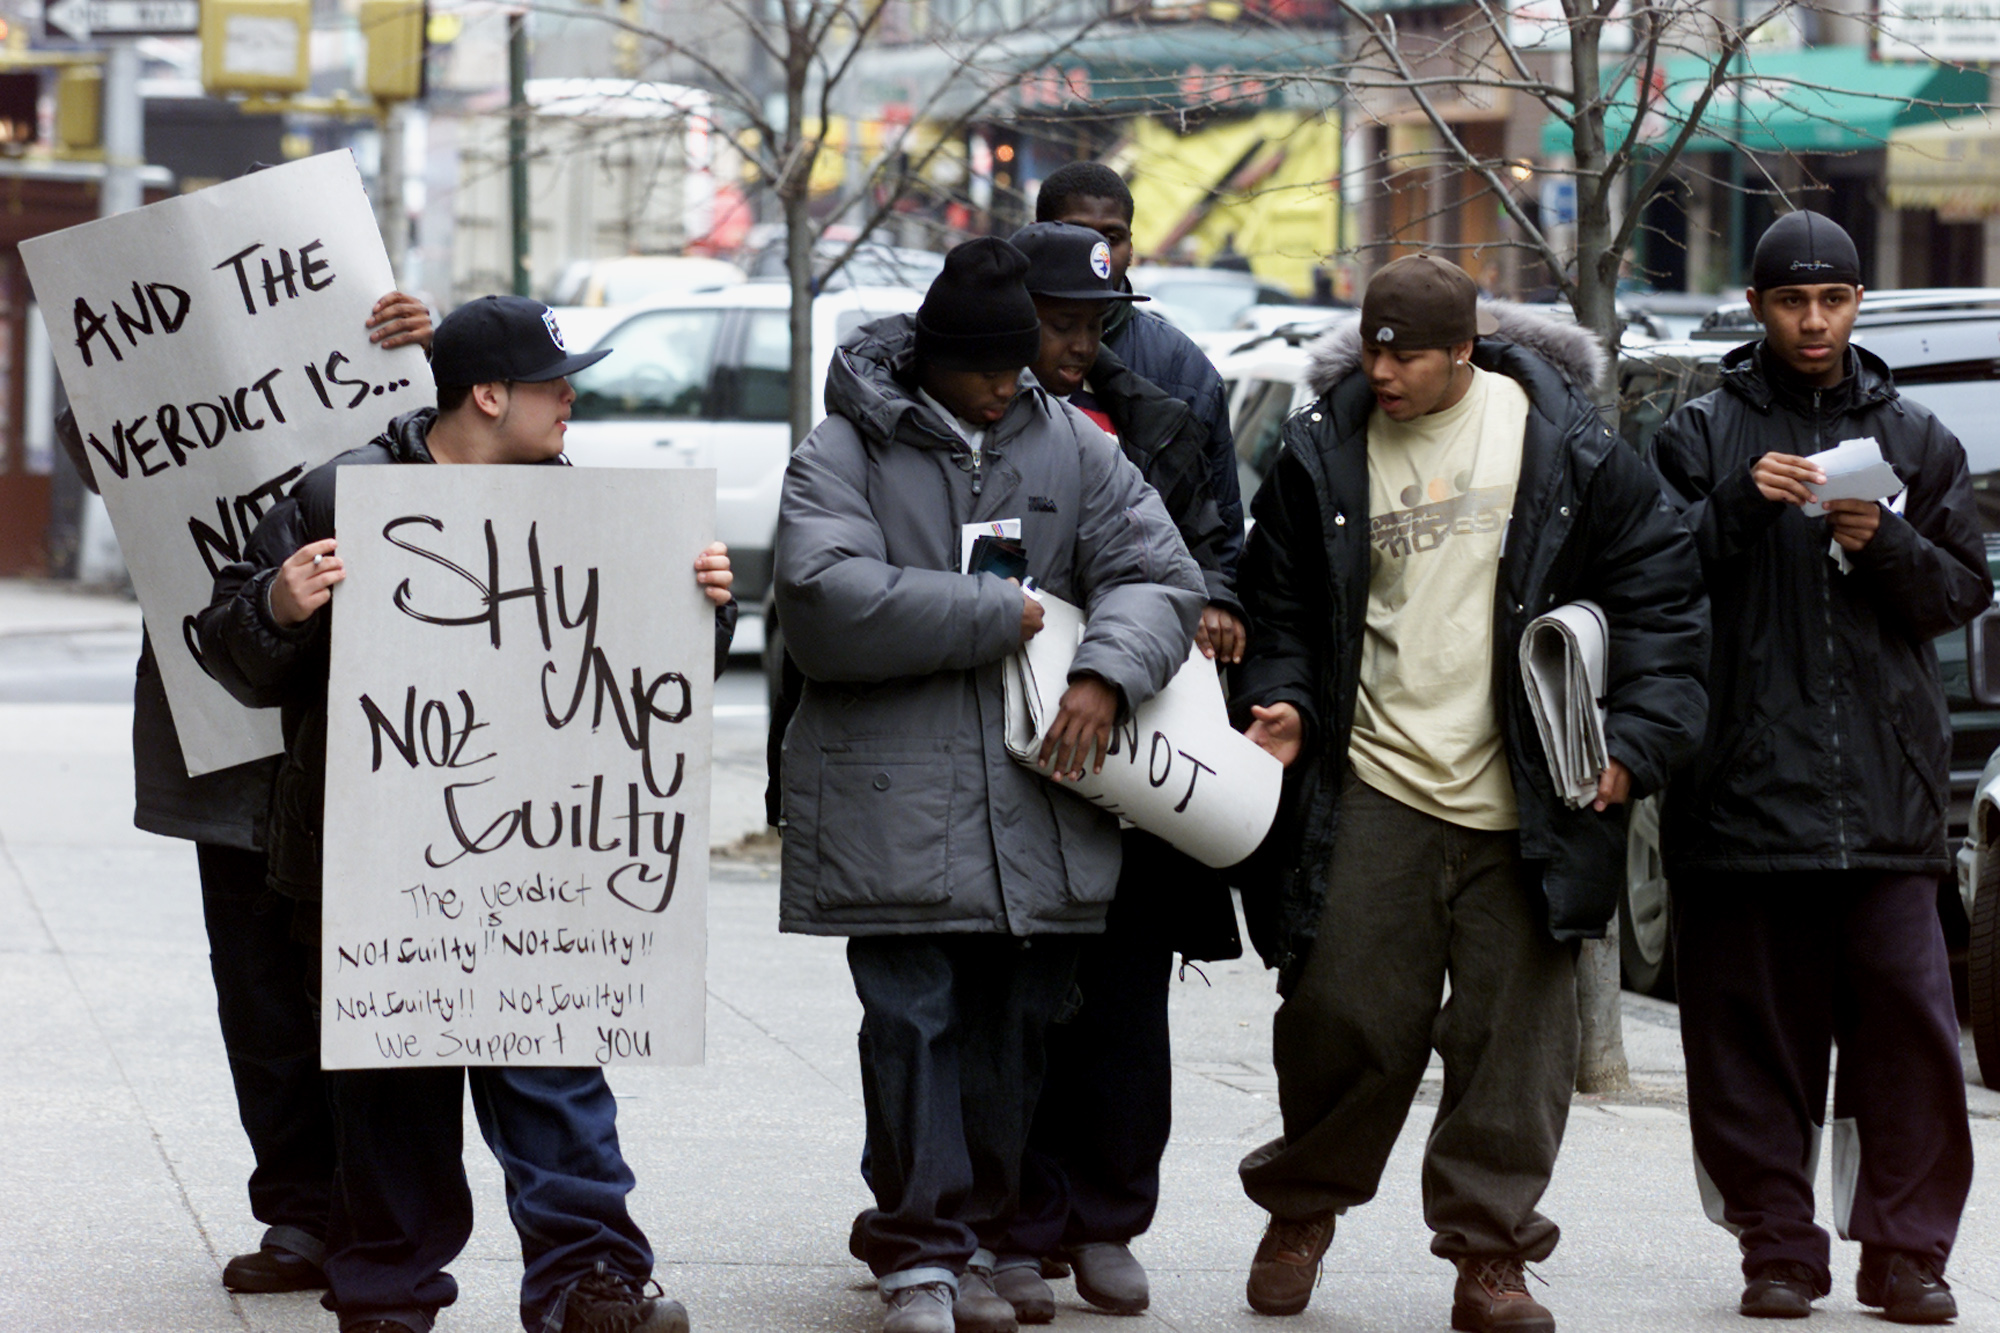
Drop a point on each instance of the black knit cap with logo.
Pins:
(1804, 249)
(1421, 301)
(503, 338)
(978, 314)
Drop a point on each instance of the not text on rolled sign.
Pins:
(518, 740)
(214, 350)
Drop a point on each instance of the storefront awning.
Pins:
(1952, 167)
(1170, 67)
(1829, 99)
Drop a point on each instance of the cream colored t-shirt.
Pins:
(1440, 492)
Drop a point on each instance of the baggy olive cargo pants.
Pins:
(1413, 901)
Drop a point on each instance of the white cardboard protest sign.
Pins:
(1176, 767)
(519, 719)
(214, 350)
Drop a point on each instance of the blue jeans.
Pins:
(271, 1035)
(402, 1209)
(951, 1066)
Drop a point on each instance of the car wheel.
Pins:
(1645, 945)
(1982, 969)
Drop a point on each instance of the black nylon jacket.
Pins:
(1589, 522)
(1179, 902)
(266, 665)
(1169, 445)
(1828, 742)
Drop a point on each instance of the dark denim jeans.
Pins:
(1092, 1173)
(271, 1036)
(402, 1208)
(951, 1067)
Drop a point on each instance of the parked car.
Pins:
(1979, 881)
(1204, 303)
(1944, 347)
(626, 279)
(704, 380)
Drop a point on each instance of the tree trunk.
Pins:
(795, 194)
(1602, 1066)
(798, 268)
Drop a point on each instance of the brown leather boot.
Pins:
(1492, 1297)
(1286, 1267)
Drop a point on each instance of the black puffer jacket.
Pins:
(1828, 742)
(265, 665)
(1589, 522)
(225, 808)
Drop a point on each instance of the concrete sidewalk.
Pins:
(123, 1188)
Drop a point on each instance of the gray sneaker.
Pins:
(979, 1308)
(922, 1308)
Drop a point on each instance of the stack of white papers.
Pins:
(1562, 664)
(1855, 470)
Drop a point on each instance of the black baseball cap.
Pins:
(498, 338)
(1421, 301)
(1068, 262)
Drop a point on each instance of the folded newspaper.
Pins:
(1563, 666)
(1176, 769)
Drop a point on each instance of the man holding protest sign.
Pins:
(401, 1209)
(258, 958)
(962, 879)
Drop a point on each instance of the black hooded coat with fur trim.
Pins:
(1589, 521)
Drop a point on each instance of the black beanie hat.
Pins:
(978, 314)
(1804, 249)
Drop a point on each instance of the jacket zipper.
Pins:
(978, 457)
(1832, 697)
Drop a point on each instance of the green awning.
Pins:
(1171, 66)
(1828, 99)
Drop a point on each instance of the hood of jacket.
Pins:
(1571, 349)
(869, 383)
(1749, 373)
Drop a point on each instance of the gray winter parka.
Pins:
(903, 812)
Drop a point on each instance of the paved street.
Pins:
(122, 1194)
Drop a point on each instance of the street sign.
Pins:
(83, 19)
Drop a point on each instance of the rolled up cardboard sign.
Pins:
(1176, 769)
(1563, 655)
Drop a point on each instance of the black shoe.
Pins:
(1781, 1290)
(270, 1269)
(378, 1326)
(1908, 1288)
(604, 1302)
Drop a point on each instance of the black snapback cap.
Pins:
(498, 338)
(1068, 262)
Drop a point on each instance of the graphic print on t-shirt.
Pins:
(1437, 512)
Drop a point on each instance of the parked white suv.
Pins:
(703, 380)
